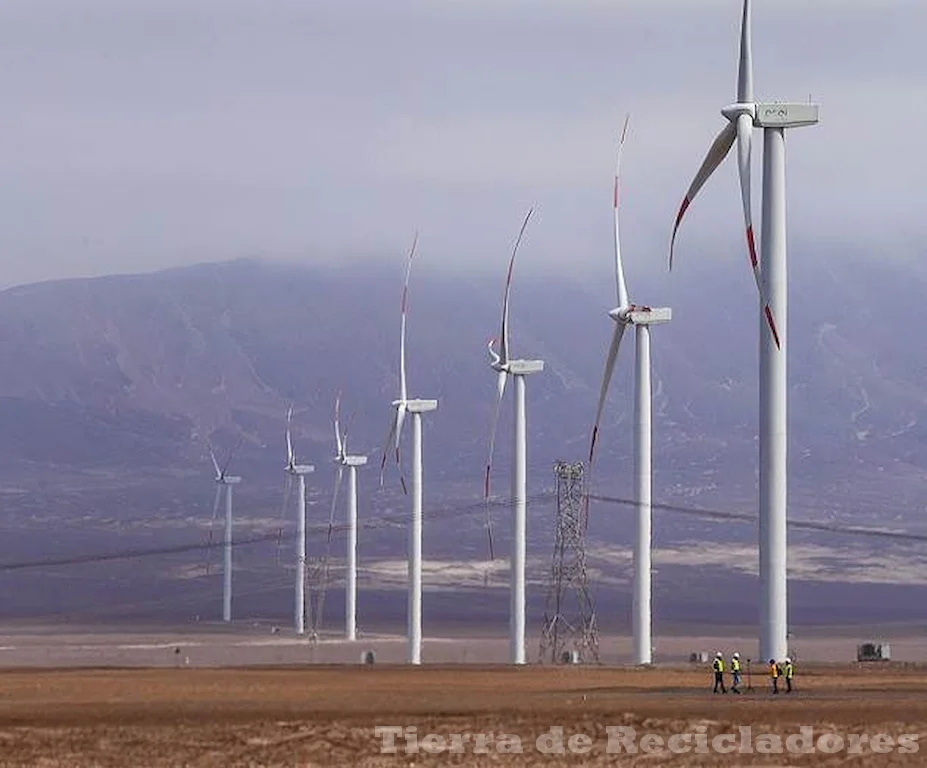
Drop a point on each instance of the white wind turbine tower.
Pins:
(641, 317)
(298, 471)
(518, 369)
(416, 407)
(770, 275)
(344, 459)
(226, 482)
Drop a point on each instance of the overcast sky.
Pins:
(139, 134)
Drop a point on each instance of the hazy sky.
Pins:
(138, 134)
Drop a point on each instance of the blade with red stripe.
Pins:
(716, 154)
(606, 380)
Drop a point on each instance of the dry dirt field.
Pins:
(327, 715)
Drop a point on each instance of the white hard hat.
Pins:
(736, 655)
(719, 654)
(788, 660)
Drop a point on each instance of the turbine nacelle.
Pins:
(522, 367)
(346, 460)
(786, 115)
(300, 469)
(641, 315)
(419, 406)
(228, 480)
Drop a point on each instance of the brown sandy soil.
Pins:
(319, 716)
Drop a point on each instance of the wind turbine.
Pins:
(225, 482)
(416, 407)
(770, 275)
(298, 471)
(641, 317)
(344, 459)
(518, 369)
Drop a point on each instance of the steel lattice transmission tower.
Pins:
(569, 617)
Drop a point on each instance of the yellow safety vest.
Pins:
(774, 670)
(718, 665)
(788, 671)
(735, 665)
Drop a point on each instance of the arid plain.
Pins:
(235, 699)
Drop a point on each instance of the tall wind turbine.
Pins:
(416, 407)
(344, 459)
(770, 275)
(225, 482)
(299, 471)
(518, 369)
(641, 317)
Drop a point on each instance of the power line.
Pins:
(811, 525)
(278, 536)
(475, 507)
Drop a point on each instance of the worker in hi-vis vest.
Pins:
(774, 673)
(788, 671)
(718, 666)
(735, 673)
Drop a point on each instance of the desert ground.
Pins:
(229, 700)
(324, 715)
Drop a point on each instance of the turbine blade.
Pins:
(324, 567)
(771, 322)
(285, 505)
(494, 357)
(403, 395)
(744, 127)
(504, 336)
(290, 457)
(216, 501)
(745, 72)
(619, 267)
(386, 446)
(718, 151)
(338, 442)
(497, 406)
(339, 474)
(346, 430)
(606, 380)
(228, 461)
(212, 522)
(400, 419)
(212, 455)
(744, 141)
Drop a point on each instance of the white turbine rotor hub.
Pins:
(734, 111)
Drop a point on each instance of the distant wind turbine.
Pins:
(298, 471)
(770, 275)
(225, 482)
(416, 408)
(518, 369)
(344, 459)
(641, 317)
